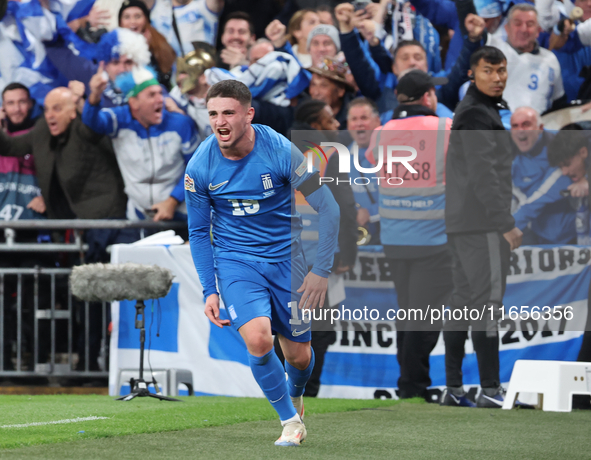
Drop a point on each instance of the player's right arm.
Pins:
(199, 219)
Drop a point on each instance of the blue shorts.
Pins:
(253, 289)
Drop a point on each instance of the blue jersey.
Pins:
(252, 203)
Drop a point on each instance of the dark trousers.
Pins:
(480, 264)
(419, 283)
(585, 352)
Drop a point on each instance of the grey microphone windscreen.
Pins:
(110, 282)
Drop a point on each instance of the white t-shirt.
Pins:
(534, 80)
(194, 21)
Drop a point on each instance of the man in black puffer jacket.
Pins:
(481, 231)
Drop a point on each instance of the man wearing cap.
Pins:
(323, 42)
(152, 145)
(411, 207)
(329, 84)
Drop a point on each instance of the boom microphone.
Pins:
(111, 282)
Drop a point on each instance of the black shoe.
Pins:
(494, 398)
(450, 399)
(491, 398)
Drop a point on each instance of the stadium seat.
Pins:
(168, 379)
(555, 382)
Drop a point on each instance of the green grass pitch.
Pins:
(245, 428)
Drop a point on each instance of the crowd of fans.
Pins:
(103, 102)
(80, 61)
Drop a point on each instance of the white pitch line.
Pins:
(56, 422)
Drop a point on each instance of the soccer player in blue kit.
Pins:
(242, 181)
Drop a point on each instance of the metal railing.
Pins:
(41, 312)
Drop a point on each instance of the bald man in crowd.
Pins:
(540, 208)
(79, 179)
(76, 168)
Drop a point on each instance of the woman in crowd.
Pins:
(135, 15)
(300, 25)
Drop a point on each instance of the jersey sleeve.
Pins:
(102, 121)
(190, 140)
(547, 193)
(323, 202)
(199, 221)
(297, 168)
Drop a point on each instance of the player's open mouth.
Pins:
(224, 134)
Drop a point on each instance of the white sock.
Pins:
(295, 418)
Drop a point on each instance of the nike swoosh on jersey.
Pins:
(298, 333)
(215, 187)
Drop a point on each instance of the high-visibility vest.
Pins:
(412, 205)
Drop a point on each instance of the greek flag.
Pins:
(22, 32)
(275, 78)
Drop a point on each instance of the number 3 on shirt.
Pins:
(534, 82)
(246, 207)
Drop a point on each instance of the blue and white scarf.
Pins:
(276, 77)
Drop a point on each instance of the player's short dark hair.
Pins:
(15, 85)
(490, 54)
(243, 16)
(566, 144)
(230, 88)
(405, 43)
(364, 101)
(309, 111)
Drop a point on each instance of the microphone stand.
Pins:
(139, 387)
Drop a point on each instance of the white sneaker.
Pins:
(294, 434)
(298, 403)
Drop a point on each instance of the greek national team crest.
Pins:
(267, 182)
(189, 183)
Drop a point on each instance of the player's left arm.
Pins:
(321, 199)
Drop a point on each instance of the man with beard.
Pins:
(25, 201)
(237, 38)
